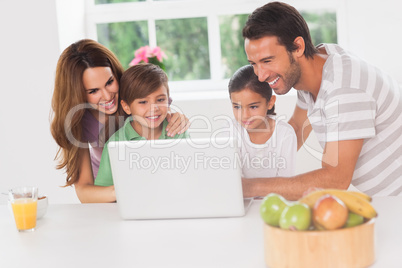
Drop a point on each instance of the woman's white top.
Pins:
(275, 158)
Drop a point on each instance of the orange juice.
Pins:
(24, 210)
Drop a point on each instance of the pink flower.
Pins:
(145, 52)
(158, 53)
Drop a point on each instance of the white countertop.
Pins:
(93, 235)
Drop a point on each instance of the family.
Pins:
(354, 109)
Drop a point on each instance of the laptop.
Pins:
(177, 178)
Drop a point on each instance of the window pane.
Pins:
(232, 43)
(98, 2)
(185, 42)
(123, 38)
(322, 26)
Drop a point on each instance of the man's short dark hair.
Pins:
(280, 20)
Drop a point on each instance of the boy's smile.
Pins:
(153, 118)
(149, 112)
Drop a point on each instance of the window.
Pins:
(202, 38)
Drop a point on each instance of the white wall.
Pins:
(29, 51)
(371, 30)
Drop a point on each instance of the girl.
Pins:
(268, 145)
(144, 94)
(86, 111)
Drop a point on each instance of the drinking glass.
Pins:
(24, 202)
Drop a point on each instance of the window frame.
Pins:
(151, 11)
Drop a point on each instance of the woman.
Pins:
(87, 112)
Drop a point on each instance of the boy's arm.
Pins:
(104, 177)
(85, 189)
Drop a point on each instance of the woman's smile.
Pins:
(109, 105)
(102, 89)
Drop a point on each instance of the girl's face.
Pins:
(102, 89)
(148, 112)
(250, 108)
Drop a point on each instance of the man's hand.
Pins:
(338, 164)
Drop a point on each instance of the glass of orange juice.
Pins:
(24, 205)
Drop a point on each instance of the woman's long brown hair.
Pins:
(69, 95)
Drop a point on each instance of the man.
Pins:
(354, 109)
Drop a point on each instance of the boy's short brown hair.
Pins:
(140, 80)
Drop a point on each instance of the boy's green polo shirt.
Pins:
(126, 133)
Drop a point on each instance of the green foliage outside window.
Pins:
(232, 43)
(185, 42)
(322, 27)
(123, 38)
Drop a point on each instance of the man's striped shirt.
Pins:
(359, 101)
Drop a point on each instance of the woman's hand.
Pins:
(178, 124)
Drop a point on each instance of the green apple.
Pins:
(271, 208)
(353, 220)
(296, 216)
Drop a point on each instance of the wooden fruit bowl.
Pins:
(348, 247)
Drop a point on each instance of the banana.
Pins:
(355, 201)
(336, 191)
(362, 195)
(358, 205)
(311, 198)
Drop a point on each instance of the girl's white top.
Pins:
(275, 158)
